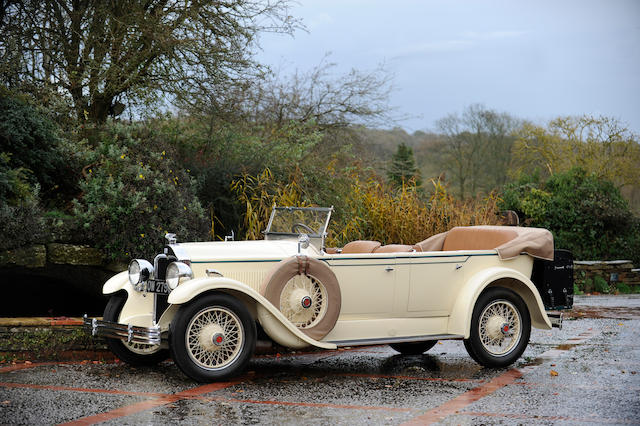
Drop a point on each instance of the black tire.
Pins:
(500, 328)
(195, 331)
(136, 354)
(413, 348)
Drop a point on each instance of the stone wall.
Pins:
(613, 272)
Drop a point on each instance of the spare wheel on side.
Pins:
(307, 292)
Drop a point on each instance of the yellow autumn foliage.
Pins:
(372, 210)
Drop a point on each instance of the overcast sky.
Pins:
(535, 60)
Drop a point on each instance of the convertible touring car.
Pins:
(201, 303)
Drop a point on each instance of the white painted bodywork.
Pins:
(384, 296)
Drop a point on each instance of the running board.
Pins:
(388, 340)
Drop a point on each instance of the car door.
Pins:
(434, 283)
(367, 284)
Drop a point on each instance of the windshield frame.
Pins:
(315, 239)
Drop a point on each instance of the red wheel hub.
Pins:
(218, 339)
(306, 302)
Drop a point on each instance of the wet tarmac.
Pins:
(586, 373)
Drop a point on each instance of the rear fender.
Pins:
(460, 318)
(274, 323)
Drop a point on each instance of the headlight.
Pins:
(139, 271)
(177, 271)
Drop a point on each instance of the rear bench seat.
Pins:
(508, 241)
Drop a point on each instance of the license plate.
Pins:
(159, 287)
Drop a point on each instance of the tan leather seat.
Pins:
(360, 246)
(478, 237)
(397, 248)
(508, 241)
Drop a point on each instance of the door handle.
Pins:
(389, 268)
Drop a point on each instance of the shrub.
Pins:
(600, 284)
(372, 209)
(21, 224)
(586, 214)
(403, 215)
(623, 288)
(577, 290)
(31, 141)
(134, 193)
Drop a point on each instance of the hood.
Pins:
(241, 250)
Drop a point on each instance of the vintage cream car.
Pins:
(201, 303)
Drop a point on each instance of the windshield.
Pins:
(312, 221)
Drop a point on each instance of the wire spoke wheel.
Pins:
(214, 338)
(133, 353)
(303, 301)
(499, 327)
(141, 348)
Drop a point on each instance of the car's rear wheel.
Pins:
(500, 328)
(413, 348)
(212, 338)
(137, 354)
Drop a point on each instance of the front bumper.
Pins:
(128, 332)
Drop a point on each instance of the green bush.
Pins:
(600, 284)
(586, 214)
(30, 140)
(134, 193)
(577, 290)
(22, 224)
(623, 288)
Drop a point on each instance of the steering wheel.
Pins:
(306, 228)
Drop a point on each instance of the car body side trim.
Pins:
(387, 340)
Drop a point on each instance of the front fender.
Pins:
(116, 283)
(460, 318)
(272, 320)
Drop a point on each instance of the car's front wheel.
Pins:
(413, 348)
(212, 338)
(500, 328)
(137, 354)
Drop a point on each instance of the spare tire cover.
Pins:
(307, 292)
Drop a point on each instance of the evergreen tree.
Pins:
(403, 166)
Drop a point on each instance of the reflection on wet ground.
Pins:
(588, 372)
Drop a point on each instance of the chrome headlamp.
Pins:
(177, 272)
(139, 271)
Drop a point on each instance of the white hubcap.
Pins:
(214, 338)
(303, 301)
(500, 327)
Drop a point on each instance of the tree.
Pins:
(321, 96)
(599, 145)
(403, 166)
(477, 148)
(100, 52)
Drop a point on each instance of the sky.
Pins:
(535, 60)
